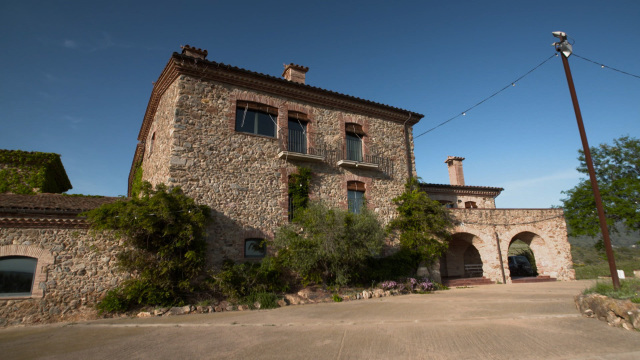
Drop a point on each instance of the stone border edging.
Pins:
(617, 313)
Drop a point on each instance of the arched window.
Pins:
(355, 196)
(16, 275)
(297, 134)
(354, 135)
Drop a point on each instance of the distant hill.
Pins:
(621, 238)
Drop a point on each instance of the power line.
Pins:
(511, 84)
(605, 66)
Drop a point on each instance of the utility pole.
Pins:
(565, 49)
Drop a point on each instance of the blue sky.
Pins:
(77, 75)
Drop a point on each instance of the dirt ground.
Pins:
(523, 321)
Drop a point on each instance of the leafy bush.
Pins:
(424, 224)
(164, 239)
(329, 245)
(267, 300)
(400, 264)
(238, 281)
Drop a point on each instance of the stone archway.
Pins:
(533, 248)
(462, 259)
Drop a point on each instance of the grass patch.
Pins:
(589, 264)
(629, 290)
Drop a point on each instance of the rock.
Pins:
(54, 310)
(218, 308)
(159, 311)
(378, 293)
(293, 299)
(243, 307)
(144, 314)
(177, 311)
(366, 294)
(257, 305)
(282, 303)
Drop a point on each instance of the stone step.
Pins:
(541, 278)
(467, 282)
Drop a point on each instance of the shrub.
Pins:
(163, 233)
(424, 224)
(329, 245)
(238, 281)
(267, 300)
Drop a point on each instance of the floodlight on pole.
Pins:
(566, 49)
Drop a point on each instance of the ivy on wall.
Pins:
(136, 183)
(299, 190)
(23, 172)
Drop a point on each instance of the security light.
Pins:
(562, 46)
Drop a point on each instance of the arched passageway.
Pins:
(524, 248)
(462, 259)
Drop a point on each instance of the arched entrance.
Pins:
(462, 259)
(523, 250)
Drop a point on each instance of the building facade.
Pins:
(232, 137)
(480, 246)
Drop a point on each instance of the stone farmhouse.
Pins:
(231, 138)
(50, 266)
(479, 248)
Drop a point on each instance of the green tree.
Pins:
(424, 224)
(164, 246)
(617, 169)
(329, 245)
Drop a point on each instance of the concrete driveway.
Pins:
(516, 321)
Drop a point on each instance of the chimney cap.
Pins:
(452, 158)
(293, 66)
(194, 52)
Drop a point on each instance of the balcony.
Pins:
(294, 146)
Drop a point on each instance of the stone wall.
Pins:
(483, 202)
(544, 230)
(240, 175)
(74, 270)
(158, 146)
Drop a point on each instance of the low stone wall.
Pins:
(75, 269)
(618, 313)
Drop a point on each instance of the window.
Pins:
(256, 119)
(448, 204)
(470, 205)
(297, 141)
(153, 139)
(354, 136)
(355, 196)
(255, 248)
(16, 275)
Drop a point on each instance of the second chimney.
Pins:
(295, 73)
(456, 176)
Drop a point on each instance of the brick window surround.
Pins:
(40, 277)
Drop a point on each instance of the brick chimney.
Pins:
(194, 52)
(295, 73)
(456, 176)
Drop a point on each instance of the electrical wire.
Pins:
(511, 84)
(605, 66)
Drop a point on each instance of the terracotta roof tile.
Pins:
(51, 202)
